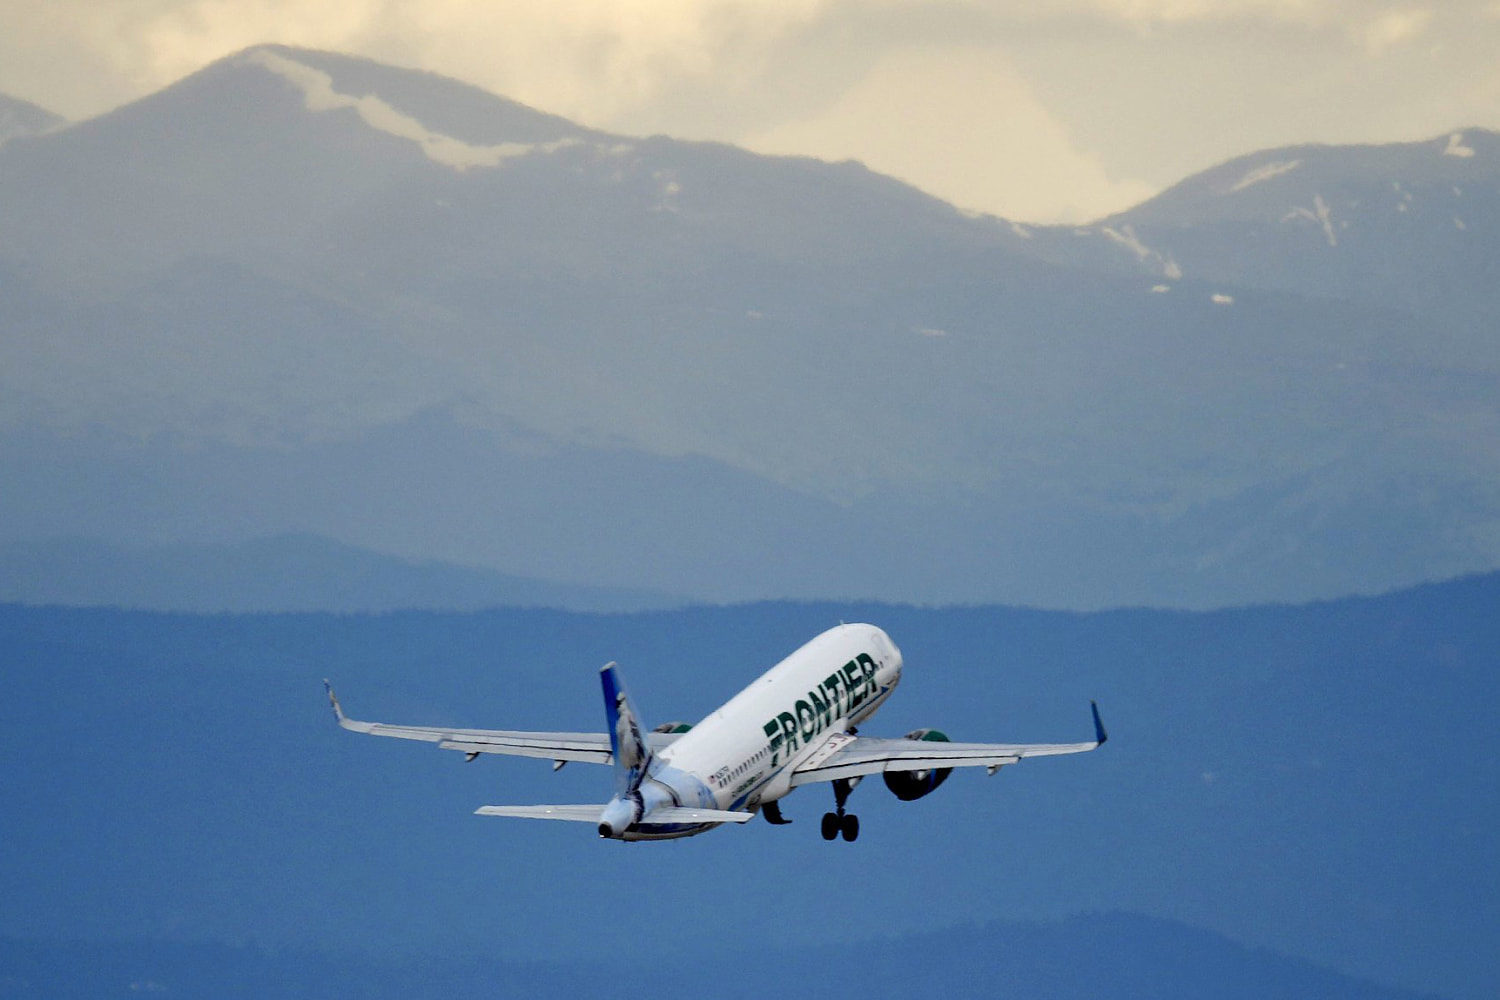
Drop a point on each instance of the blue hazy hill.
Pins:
(1313, 780)
(1109, 957)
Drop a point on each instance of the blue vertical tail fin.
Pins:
(627, 734)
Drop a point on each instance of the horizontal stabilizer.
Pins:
(591, 814)
(576, 814)
(687, 814)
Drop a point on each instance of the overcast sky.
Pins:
(1038, 110)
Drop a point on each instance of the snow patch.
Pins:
(667, 190)
(1265, 173)
(1020, 230)
(1220, 299)
(1125, 237)
(1161, 289)
(1319, 213)
(318, 95)
(1456, 146)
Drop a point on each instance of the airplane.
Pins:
(795, 725)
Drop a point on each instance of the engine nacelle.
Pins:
(910, 785)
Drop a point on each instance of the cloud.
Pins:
(183, 36)
(1351, 15)
(83, 57)
(584, 58)
(1393, 28)
(1182, 11)
(595, 59)
(964, 126)
(589, 58)
(1052, 87)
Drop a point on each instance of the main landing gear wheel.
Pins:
(839, 822)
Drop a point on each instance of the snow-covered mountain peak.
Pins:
(1263, 187)
(1414, 225)
(321, 95)
(441, 105)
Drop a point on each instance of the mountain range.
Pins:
(1111, 957)
(303, 294)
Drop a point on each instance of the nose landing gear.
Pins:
(839, 822)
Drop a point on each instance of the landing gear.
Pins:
(840, 822)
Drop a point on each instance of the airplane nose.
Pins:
(893, 657)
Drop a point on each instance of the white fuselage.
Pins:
(743, 754)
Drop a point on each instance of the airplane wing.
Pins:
(591, 748)
(845, 756)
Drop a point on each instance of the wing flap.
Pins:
(550, 746)
(833, 770)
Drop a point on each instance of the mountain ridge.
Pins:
(20, 118)
(243, 272)
(1102, 955)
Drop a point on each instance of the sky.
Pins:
(1035, 110)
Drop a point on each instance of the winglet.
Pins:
(338, 712)
(1100, 736)
(333, 699)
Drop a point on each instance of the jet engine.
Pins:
(910, 785)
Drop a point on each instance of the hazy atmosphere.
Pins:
(1052, 111)
(1141, 352)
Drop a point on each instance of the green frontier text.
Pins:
(834, 699)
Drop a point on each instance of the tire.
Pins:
(830, 826)
(850, 828)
